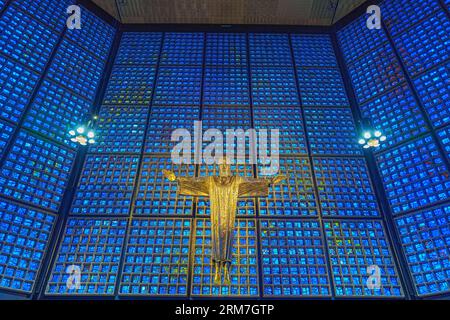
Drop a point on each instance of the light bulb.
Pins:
(91, 134)
(383, 138)
(367, 135)
(362, 141)
(72, 132)
(366, 146)
(91, 141)
(80, 130)
(378, 134)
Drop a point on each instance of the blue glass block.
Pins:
(16, 87)
(295, 196)
(106, 185)
(322, 87)
(226, 86)
(182, 49)
(293, 259)
(401, 15)
(120, 129)
(25, 40)
(94, 245)
(49, 12)
(444, 137)
(157, 195)
(288, 120)
(425, 237)
(356, 39)
(434, 92)
(425, 45)
(36, 171)
(376, 73)
(313, 50)
(6, 131)
(130, 85)
(178, 86)
(156, 258)
(269, 49)
(274, 87)
(2, 4)
(244, 265)
(95, 35)
(24, 236)
(55, 111)
(332, 131)
(139, 48)
(397, 115)
(345, 188)
(76, 69)
(353, 247)
(414, 175)
(245, 206)
(226, 49)
(447, 2)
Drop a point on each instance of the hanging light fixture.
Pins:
(370, 137)
(84, 134)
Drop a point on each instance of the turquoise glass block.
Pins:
(269, 49)
(156, 258)
(313, 50)
(139, 48)
(414, 175)
(293, 259)
(182, 49)
(94, 247)
(106, 185)
(425, 238)
(55, 111)
(120, 129)
(444, 137)
(244, 266)
(353, 247)
(24, 237)
(6, 131)
(332, 131)
(36, 171)
(157, 196)
(225, 49)
(345, 188)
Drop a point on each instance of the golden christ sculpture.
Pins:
(223, 192)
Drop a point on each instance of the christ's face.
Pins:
(224, 170)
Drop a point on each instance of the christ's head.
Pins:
(224, 168)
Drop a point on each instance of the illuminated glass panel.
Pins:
(2, 4)
(25, 40)
(157, 195)
(245, 206)
(313, 50)
(76, 69)
(332, 131)
(401, 15)
(163, 121)
(139, 48)
(55, 111)
(357, 40)
(6, 131)
(130, 85)
(274, 87)
(447, 2)
(396, 114)
(182, 49)
(244, 266)
(95, 35)
(226, 49)
(36, 171)
(178, 86)
(426, 44)
(24, 235)
(434, 91)
(414, 175)
(157, 258)
(295, 195)
(444, 136)
(425, 239)
(120, 129)
(226, 86)
(354, 246)
(270, 49)
(106, 185)
(288, 120)
(376, 73)
(50, 12)
(293, 259)
(344, 187)
(94, 246)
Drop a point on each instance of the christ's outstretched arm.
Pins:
(258, 187)
(189, 186)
